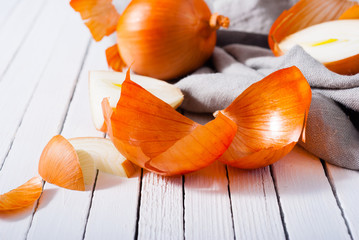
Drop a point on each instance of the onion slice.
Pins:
(150, 133)
(270, 116)
(22, 196)
(59, 164)
(101, 16)
(72, 163)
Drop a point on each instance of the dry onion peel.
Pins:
(59, 164)
(150, 133)
(72, 163)
(23, 196)
(101, 16)
(179, 35)
(351, 13)
(107, 84)
(271, 116)
(307, 13)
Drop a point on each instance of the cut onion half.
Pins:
(314, 25)
(23, 196)
(72, 163)
(107, 84)
(270, 116)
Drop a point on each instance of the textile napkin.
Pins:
(332, 129)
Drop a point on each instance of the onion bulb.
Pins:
(160, 38)
(327, 41)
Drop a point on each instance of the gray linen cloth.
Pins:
(332, 129)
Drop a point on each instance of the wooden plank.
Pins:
(161, 207)
(113, 213)
(309, 206)
(44, 114)
(256, 212)
(207, 205)
(16, 28)
(346, 186)
(119, 195)
(20, 80)
(6, 9)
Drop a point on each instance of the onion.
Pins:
(307, 13)
(151, 134)
(162, 39)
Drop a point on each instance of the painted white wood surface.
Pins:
(346, 185)
(161, 207)
(254, 202)
(7, 7)
(16, 28)
(50, 101)
(63, 213)
(309, 206)
(206, 200)
(20, 80)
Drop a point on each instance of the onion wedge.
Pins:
(270, 116)
(23, 196)
(103, 84)
(72, 163)
(307, 13)
(151, 134)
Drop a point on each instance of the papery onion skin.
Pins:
(165, 39)
(271, 116)
(101, 16)
(23, 196)
(151, 134)
(59, 164)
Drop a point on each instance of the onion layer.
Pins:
(270, 116)
(150, 133)
(23, 196)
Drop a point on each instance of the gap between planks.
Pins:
(325, 167)
(60, 130)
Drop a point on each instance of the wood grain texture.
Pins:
(44, 114)
(309, 206)
(207, 203)
(15, 29)
(346, 186)
(256, 212)
(18, 84)
(161, 207)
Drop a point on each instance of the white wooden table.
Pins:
(45, 55)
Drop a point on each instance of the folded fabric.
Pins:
(331, 132)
